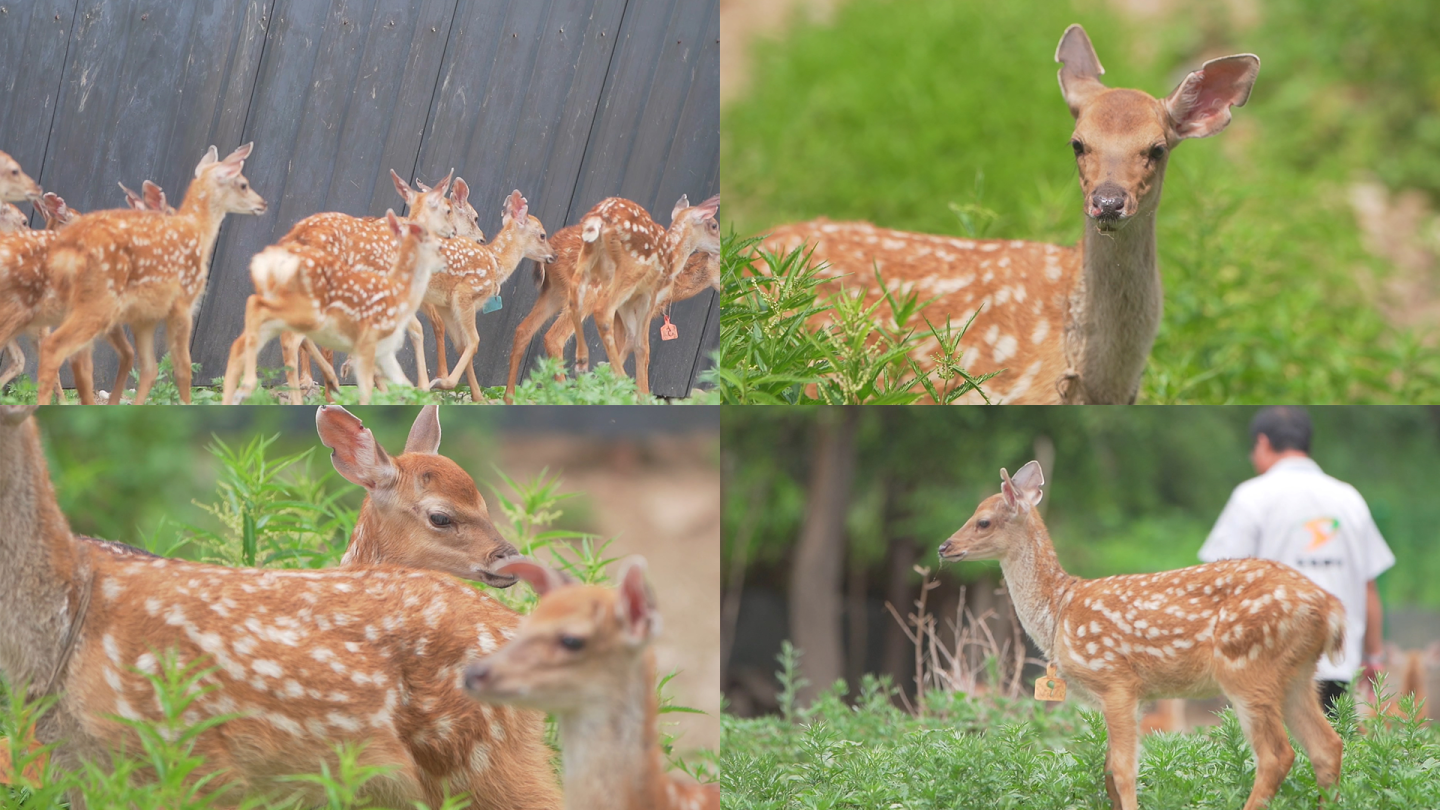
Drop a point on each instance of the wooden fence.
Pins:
(569, 101)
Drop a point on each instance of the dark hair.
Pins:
(1287, 427)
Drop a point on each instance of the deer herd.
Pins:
(334, 282)
(441, 682)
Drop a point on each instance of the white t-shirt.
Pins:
(1298, 515)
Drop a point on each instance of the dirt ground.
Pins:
(660, 498)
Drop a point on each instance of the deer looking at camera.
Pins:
(584, 656)
(113, 268)
(554, 278)
(1250, 629)
(308, 658)
(1063, 324)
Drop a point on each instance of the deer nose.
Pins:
(476, 676)
(1108, 201)
(502, 551)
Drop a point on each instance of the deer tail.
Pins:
(273, 267)
(1334, 631)
(590, 229)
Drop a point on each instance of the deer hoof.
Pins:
(441, 384)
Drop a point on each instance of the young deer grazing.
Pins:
(473, 273)
(626, 264)
(1066, 324)
(1251, 629)
(701, 272)
(15, 184)
(584, 656)
(121, 267)
(313, 294)
(30, 304)
(309, 659)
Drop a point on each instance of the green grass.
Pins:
(275, 511)
(967, 752)
(944, 116)
(596, 387)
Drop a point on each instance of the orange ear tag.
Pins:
(1050, 687)
(669, 330)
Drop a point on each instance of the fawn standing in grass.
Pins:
(15, 184)
(308, 659)
(1065, 324)
(584, 656)
(317, 297)
(121, 267)
(1251, 629)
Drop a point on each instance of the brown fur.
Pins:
(1061, 324)
(602, 694)
(310, 658)
(1252, 629)
(15, 184)
(140, 268)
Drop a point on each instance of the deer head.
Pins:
(696, 227)
(15, 184)
(229, 191)
(580, 641)
(528, 229)
(429, 206)
(421, 509)
(999, 520)
(12, 219)
(1123, 138)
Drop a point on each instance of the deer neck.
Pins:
(1115, 310)
(40, 573)
(508, 248)
(610, 747)
(204, 213)
(1036, 582)
(413, 267)
(367, 541)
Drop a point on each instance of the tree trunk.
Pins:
(818, 571)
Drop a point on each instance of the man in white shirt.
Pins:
(1294, 513)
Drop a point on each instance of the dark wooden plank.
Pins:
(341, 99)
(33, 39)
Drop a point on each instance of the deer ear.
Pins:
(135, 201)
(354, 451)
(393, 221)
(1200, 106)
(636, 608)
(1012, 499)
(403, 188)
(709, 208)
(210, 157)
(541, 577)
(1027, 483)
(460, 191)
(444, 185)
(1080, 69)
(240, 153)
(516, 207)
(425, 433)
(154, 196)
(680, 205)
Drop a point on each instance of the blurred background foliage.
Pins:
(1128, 490)
(944, 116)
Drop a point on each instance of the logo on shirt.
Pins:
(1322, 531)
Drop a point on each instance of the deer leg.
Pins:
(605, 325)
(545, 306)
(417, 339)
(437, 325)
(121, 345)
(17, 361)
(241, 375)
(332, 382)
(1123, 753)
(70, 337)
(145, 359)
(576, 306)
(642, 357)
(364, 359)
(557, 336)
(463, 316)
(290, 357)
(82, 368)
(1306, 720)
(1260, 718)
(177, 332)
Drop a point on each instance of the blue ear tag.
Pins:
(491, 304)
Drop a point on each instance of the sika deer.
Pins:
(309, 659)
(584, 656)
(473, 273)
(135, 267)
(701, 271)
(30, 303)
(626, 264)
(313, 294)
(12, 219)
(1065, 324)
(1252, 629)
(15, 184)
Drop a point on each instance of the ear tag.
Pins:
(1050, 687)
(491, 304)
(669, 331)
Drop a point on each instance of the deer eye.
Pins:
(439, 519)
(1077, 146)
(572, 643)
(1156, 153)
(983, 523)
